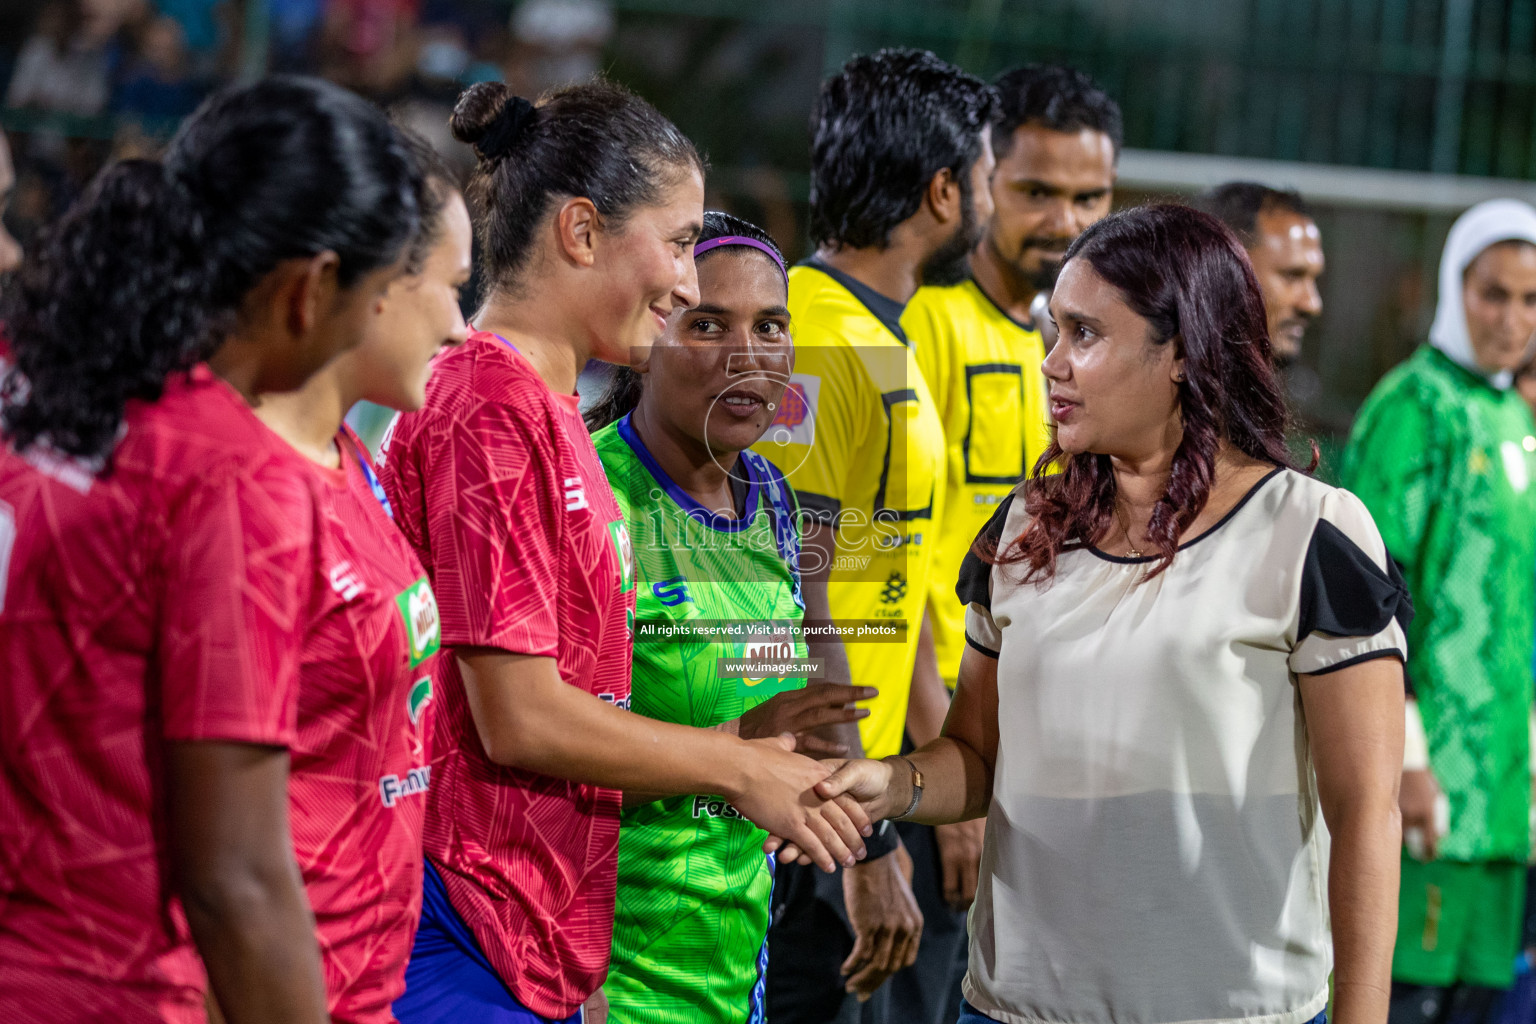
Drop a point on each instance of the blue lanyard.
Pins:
(373, 480)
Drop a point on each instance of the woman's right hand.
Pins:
(869, 784)
(781, 798)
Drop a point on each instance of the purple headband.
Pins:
(715, 243)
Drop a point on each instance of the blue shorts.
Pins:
(449, 980)
(970, 1015)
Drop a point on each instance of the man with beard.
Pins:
(979, 345)
(900, 160)
(1286, 250)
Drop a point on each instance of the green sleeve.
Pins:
(1394, 463)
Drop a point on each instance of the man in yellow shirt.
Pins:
(900, 162)
(979, 346)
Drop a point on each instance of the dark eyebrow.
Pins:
(694, 231)
(1078, 315)
(710, 309)
(776, 311)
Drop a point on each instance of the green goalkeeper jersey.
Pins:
(691, 915)
(1445, 463)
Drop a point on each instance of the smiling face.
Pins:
(1113, 391)
(1287, 258)
(645, 271)
(722, 365)
(1049, 187)
(421, 315)
(1499, 294)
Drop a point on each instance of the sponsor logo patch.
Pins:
(423, 631)
(714, 807)
(618, 532)
(795, 420)
(420, 695)
(672, 592)
(415, 782)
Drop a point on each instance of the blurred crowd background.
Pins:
(1390, 116)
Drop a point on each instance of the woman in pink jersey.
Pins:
(357, 791)
(157, 550)
(588, 206)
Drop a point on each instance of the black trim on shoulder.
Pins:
(1025, 325)
(989, 652)
(819, 507)
(1400, 574)
(1234, 510)
(882, 307)
(1344, 592)
(974, 584)
(1385, 652)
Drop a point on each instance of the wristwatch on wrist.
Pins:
(917, 786)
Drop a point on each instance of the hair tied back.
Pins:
(502, 134)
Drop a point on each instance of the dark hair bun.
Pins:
(595, 140)
(477, 108)
(492, 119)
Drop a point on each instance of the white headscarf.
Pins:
(1486, 224)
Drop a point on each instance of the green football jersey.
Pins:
(1445, 463)
(691, 915)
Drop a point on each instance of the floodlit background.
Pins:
(1390, 116)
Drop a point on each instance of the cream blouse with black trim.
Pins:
(1154, 848)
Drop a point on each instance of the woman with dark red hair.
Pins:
(1185, 656)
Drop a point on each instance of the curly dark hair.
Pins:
(883, 126)
(1188, 277)
(622, 393)
(143, 276)
(595, 139)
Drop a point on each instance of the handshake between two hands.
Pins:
(814, 811)
(854, 789)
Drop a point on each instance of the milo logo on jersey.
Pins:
(423, 631)
(768, 645)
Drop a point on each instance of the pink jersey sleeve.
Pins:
(494, 512)
(239, 567)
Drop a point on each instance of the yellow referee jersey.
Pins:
(859, 440)
(983, 369)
